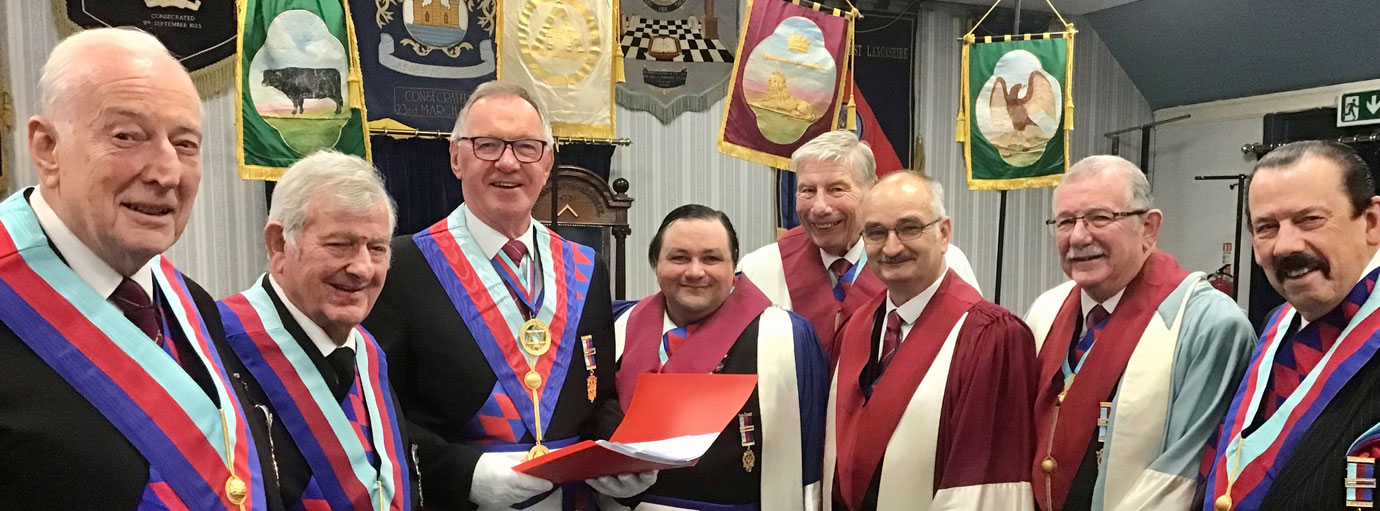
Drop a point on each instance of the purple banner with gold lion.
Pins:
(786, 84)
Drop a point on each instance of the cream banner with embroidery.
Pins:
(563, 51)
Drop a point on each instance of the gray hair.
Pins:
(495, 89)
(1137, 187)
(347, 181)
(63, 64)
(937, 209)
(840, 146)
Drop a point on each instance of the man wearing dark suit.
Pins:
(488, 311)
(114, 395)
(336, 440)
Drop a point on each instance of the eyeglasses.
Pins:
(906, 230)
(1096, 219)
(526, 150)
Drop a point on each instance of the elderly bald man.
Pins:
(114, 395)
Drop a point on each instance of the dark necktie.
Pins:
(891, 339)
(520, 285)
(342, 363)
(1096, 316)
(131, 299)
(840, 268)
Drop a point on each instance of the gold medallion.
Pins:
(591, 386)
(1222, 503)
(749, 460)
(532, 380)
(537, 451)
(236, 490)
(534, 337)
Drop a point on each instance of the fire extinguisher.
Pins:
(1222, 280)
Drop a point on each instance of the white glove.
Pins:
(623, 486)
(496, 484)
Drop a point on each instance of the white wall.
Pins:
(1199, 215)
(222, 247)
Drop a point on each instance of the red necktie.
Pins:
(130, 297)
(1094, 324)
(840, 268)
(518, 285)
(891, 338)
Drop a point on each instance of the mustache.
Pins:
(898, 258)
(1084, 252)
(1300, 261)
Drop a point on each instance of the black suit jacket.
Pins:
(442, 378)
(288, 466)
(58, 452)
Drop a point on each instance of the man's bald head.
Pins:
(88, 56)
(912, 183)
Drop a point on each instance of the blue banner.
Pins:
(421, 59)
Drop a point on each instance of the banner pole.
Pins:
(1001, 215)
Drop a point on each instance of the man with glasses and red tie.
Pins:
(931, 401)
(1138, 358)
(826, 279)
(486, 319)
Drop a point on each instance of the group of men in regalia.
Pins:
(365, 371)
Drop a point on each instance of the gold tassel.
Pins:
(1068, 80)
(961, 122)
(961, 125)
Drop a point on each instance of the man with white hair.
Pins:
(114, 395)
(488, 318)
(1138, 357)
(930, 404)
(816, 268)
(336, 436)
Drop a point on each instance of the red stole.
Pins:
(864, 426)
(1077, 416)
(715, 336)
(812, 296)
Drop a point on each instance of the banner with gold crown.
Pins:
(1017, 108)
(786, 85)
(298, 85)
(564, 52)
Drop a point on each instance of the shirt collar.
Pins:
(1109, 304)
(910, 311)
(314, 332)
(852, 255)
(490, 240)
(88, 266)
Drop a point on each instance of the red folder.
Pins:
(672, 420)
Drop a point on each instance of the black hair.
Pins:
(693, 212)
(1356, 179)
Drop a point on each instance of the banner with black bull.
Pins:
(785, 90)
(1017, 107)
(677, 54)
(298, 83)
(199, 33)
(421, 59)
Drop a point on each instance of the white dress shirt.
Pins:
(1088, 303)
(92, 270)
(909, 311)
(852, 256)
(314, 332)
(491, 242)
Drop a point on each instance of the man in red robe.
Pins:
(826, 281)
(931, 402)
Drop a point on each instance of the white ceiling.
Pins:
(1066, 7)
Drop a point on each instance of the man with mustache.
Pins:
(1138, 357)
(816, 269)
(114, 394)
(930, 404)
(706, 320)
(1301, 431)
(335, 432)
(486, 318)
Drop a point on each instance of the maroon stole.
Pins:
(864, 426)
(701, 353)
(812, 296)
(1077, 416)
